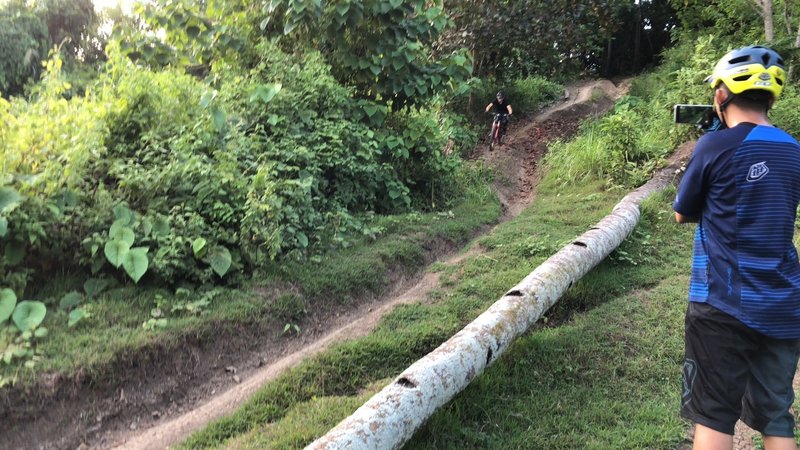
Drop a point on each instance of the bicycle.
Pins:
(498, 130)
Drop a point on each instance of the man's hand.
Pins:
(680, 218)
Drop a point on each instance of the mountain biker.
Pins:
(742, 332)
(502, 107)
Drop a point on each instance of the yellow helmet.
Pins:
(750, 68)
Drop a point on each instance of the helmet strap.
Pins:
(724, 105)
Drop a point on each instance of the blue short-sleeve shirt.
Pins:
(743, 186)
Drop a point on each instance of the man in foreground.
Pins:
(742, 187)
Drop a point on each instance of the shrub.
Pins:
(526, 96)
(530, 94)
(785, 113)
(158, 173)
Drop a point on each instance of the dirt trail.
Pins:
(183, 393)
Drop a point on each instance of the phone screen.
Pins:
(695, 114)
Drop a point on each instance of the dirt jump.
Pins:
(160, 398)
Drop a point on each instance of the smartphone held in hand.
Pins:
(702, 116)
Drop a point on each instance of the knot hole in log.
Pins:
(406, 383)
(579, 244)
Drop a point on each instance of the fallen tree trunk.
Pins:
(391, 416)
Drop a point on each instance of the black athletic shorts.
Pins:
(731, 372)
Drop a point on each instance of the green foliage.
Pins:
(417, 157)
(729, 19)
(29, 28)
(277, 160)
(785, 112)
(69, 22)
(28, 315)
(380, 47)
(190, 37)
(8, 301)
(623, 149)
(687, 82)
(19, 341)
(23, 42)
(531, 93)
(525, 95)
(624, 142)
(558, 39)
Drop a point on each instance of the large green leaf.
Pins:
(115, 252)
(199, 248)
(8, 300)
(123, 234)
(15, 252)
(265, 92)
(3, 227)
(94, 286)
(70, 300)
(119, 223)
(28, 315)
(432, 13)
(147, 226)
(75, 316)
(220, 260)
(135, 263)
(122, 212)
(370, 110)
(302, 239)
(218, 116)
(9, 199)
(193, 31)
(161, 226)
(343, 8)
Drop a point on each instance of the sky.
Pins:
(127, 5)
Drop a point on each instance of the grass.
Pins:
(281, 293)
(606, 377)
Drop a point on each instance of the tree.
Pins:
(765, 10)
(23, 42)
(382, 48)
(181, 33)
(71, 24)
(745, 22)
(559, 38)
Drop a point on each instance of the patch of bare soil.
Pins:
(156, 398)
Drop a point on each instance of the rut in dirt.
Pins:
(160, 397)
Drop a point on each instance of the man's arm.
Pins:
(489, 106)
(510, 111)
(690, 198)
(680, 218)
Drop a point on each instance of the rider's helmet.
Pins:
(750, 68)
(500, 95)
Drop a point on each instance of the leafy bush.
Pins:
(23, 41)
(526, 95)
(622, 148)
(785, 113)
(157, 175)
(530, 94)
